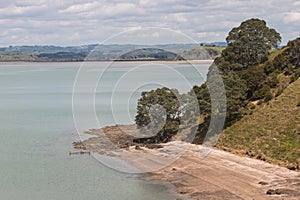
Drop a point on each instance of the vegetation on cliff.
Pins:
(271, 131)
(256, 76)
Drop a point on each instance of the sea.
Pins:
(45, 107)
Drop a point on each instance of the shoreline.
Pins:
(219, 175)
(117, 61)
(222, 175)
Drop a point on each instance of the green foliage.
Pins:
(272, 132)
(148, 53)
(236, 100)
(248, 73)
(263, 93)
(288, 61)
(236, 94)
(249, 44)
(295, 75)
(203, 98)
(161, 111)
(269, 67)
(272, 80)
(165, 97)
(255, 78)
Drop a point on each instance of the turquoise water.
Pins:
(37, 129)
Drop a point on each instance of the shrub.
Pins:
(269, 68)
(268, 96)
(254, 77)
(262, 93)
(295, 76)
(272, 80)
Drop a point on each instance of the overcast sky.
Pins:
(76, 22)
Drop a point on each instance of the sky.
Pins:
(78, 22)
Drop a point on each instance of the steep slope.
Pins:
(271, 132)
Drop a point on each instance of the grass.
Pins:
(275, 53)
(216, 48)
(202, 52)
(271, 132)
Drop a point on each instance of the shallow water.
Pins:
(37, 127)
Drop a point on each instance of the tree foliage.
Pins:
(203, 98)
(247, 75)
(236, 93)
(158, 111)
(161, 112)
(288, 61)
(248, 44)
(254, 78)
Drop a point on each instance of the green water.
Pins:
(37, 130)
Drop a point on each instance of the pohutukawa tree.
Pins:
(243, 77)
(248, 44)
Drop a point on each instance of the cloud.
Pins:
(78, 8)
(292, 17)
(88, 21)
(13, 10)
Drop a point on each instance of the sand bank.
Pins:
(215, 175)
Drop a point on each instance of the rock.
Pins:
(282, 191)
(271, 192)
(137, 147)
(263, 183)
(79, 145)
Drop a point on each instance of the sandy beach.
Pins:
(213, 175)
(222, 175)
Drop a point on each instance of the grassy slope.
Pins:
(217, 48)
(271, 133)
(276, 53)
(201, 52)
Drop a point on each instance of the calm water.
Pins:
(37, 127)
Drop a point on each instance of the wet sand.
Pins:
(222, 175)
(213, 175)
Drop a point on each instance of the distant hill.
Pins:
(202, 53)
(149, 54)
(79, 53)
(62, 56)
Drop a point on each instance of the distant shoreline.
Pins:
(118, 61)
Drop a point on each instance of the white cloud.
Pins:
(147, 3)
(79, 8)
(292, 17)
(178, 17)
(72, 22)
